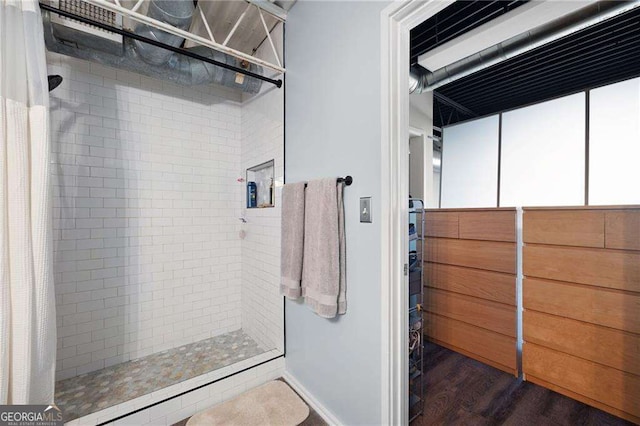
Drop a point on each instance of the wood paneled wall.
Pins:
(470, 283)
(581, 295)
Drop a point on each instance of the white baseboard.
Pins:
(319, 408)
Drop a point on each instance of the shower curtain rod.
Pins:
(125, 33)
(348, 180)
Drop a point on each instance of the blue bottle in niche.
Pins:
(252, 195)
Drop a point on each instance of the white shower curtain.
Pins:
(27, 301)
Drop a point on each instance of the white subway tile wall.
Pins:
(262, 141)
(146, 209)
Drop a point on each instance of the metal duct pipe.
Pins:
(586, 17)
(417, 81)
(178, 13)
(153, 61)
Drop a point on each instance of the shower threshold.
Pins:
(85, 394)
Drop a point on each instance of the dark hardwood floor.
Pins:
(462, 391)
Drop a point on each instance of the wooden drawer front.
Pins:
(470, 284)
(441, 224)
(489, 226)
(565, 228)
(495, 286)
(581, 297)
(604, 345)
(609, 308)
(481, 313)
(494, 347)
(489, 255)
(612, 387)
(598, 267)
(623, 229)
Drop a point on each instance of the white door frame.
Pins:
(397, 19)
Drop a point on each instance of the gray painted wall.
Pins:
(332, 128)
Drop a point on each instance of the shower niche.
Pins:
(261, 190)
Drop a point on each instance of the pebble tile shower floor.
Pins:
(91, 392)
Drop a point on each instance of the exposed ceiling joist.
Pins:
(455, 20)
(541, 35)
(498, 30)
(271, 8)
(600, 54)
(204, 37)
(453, 104)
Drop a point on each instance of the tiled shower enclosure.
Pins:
(155, 282)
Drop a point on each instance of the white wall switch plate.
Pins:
(365, 210)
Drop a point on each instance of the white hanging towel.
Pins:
(292, 238)
(324, 266)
